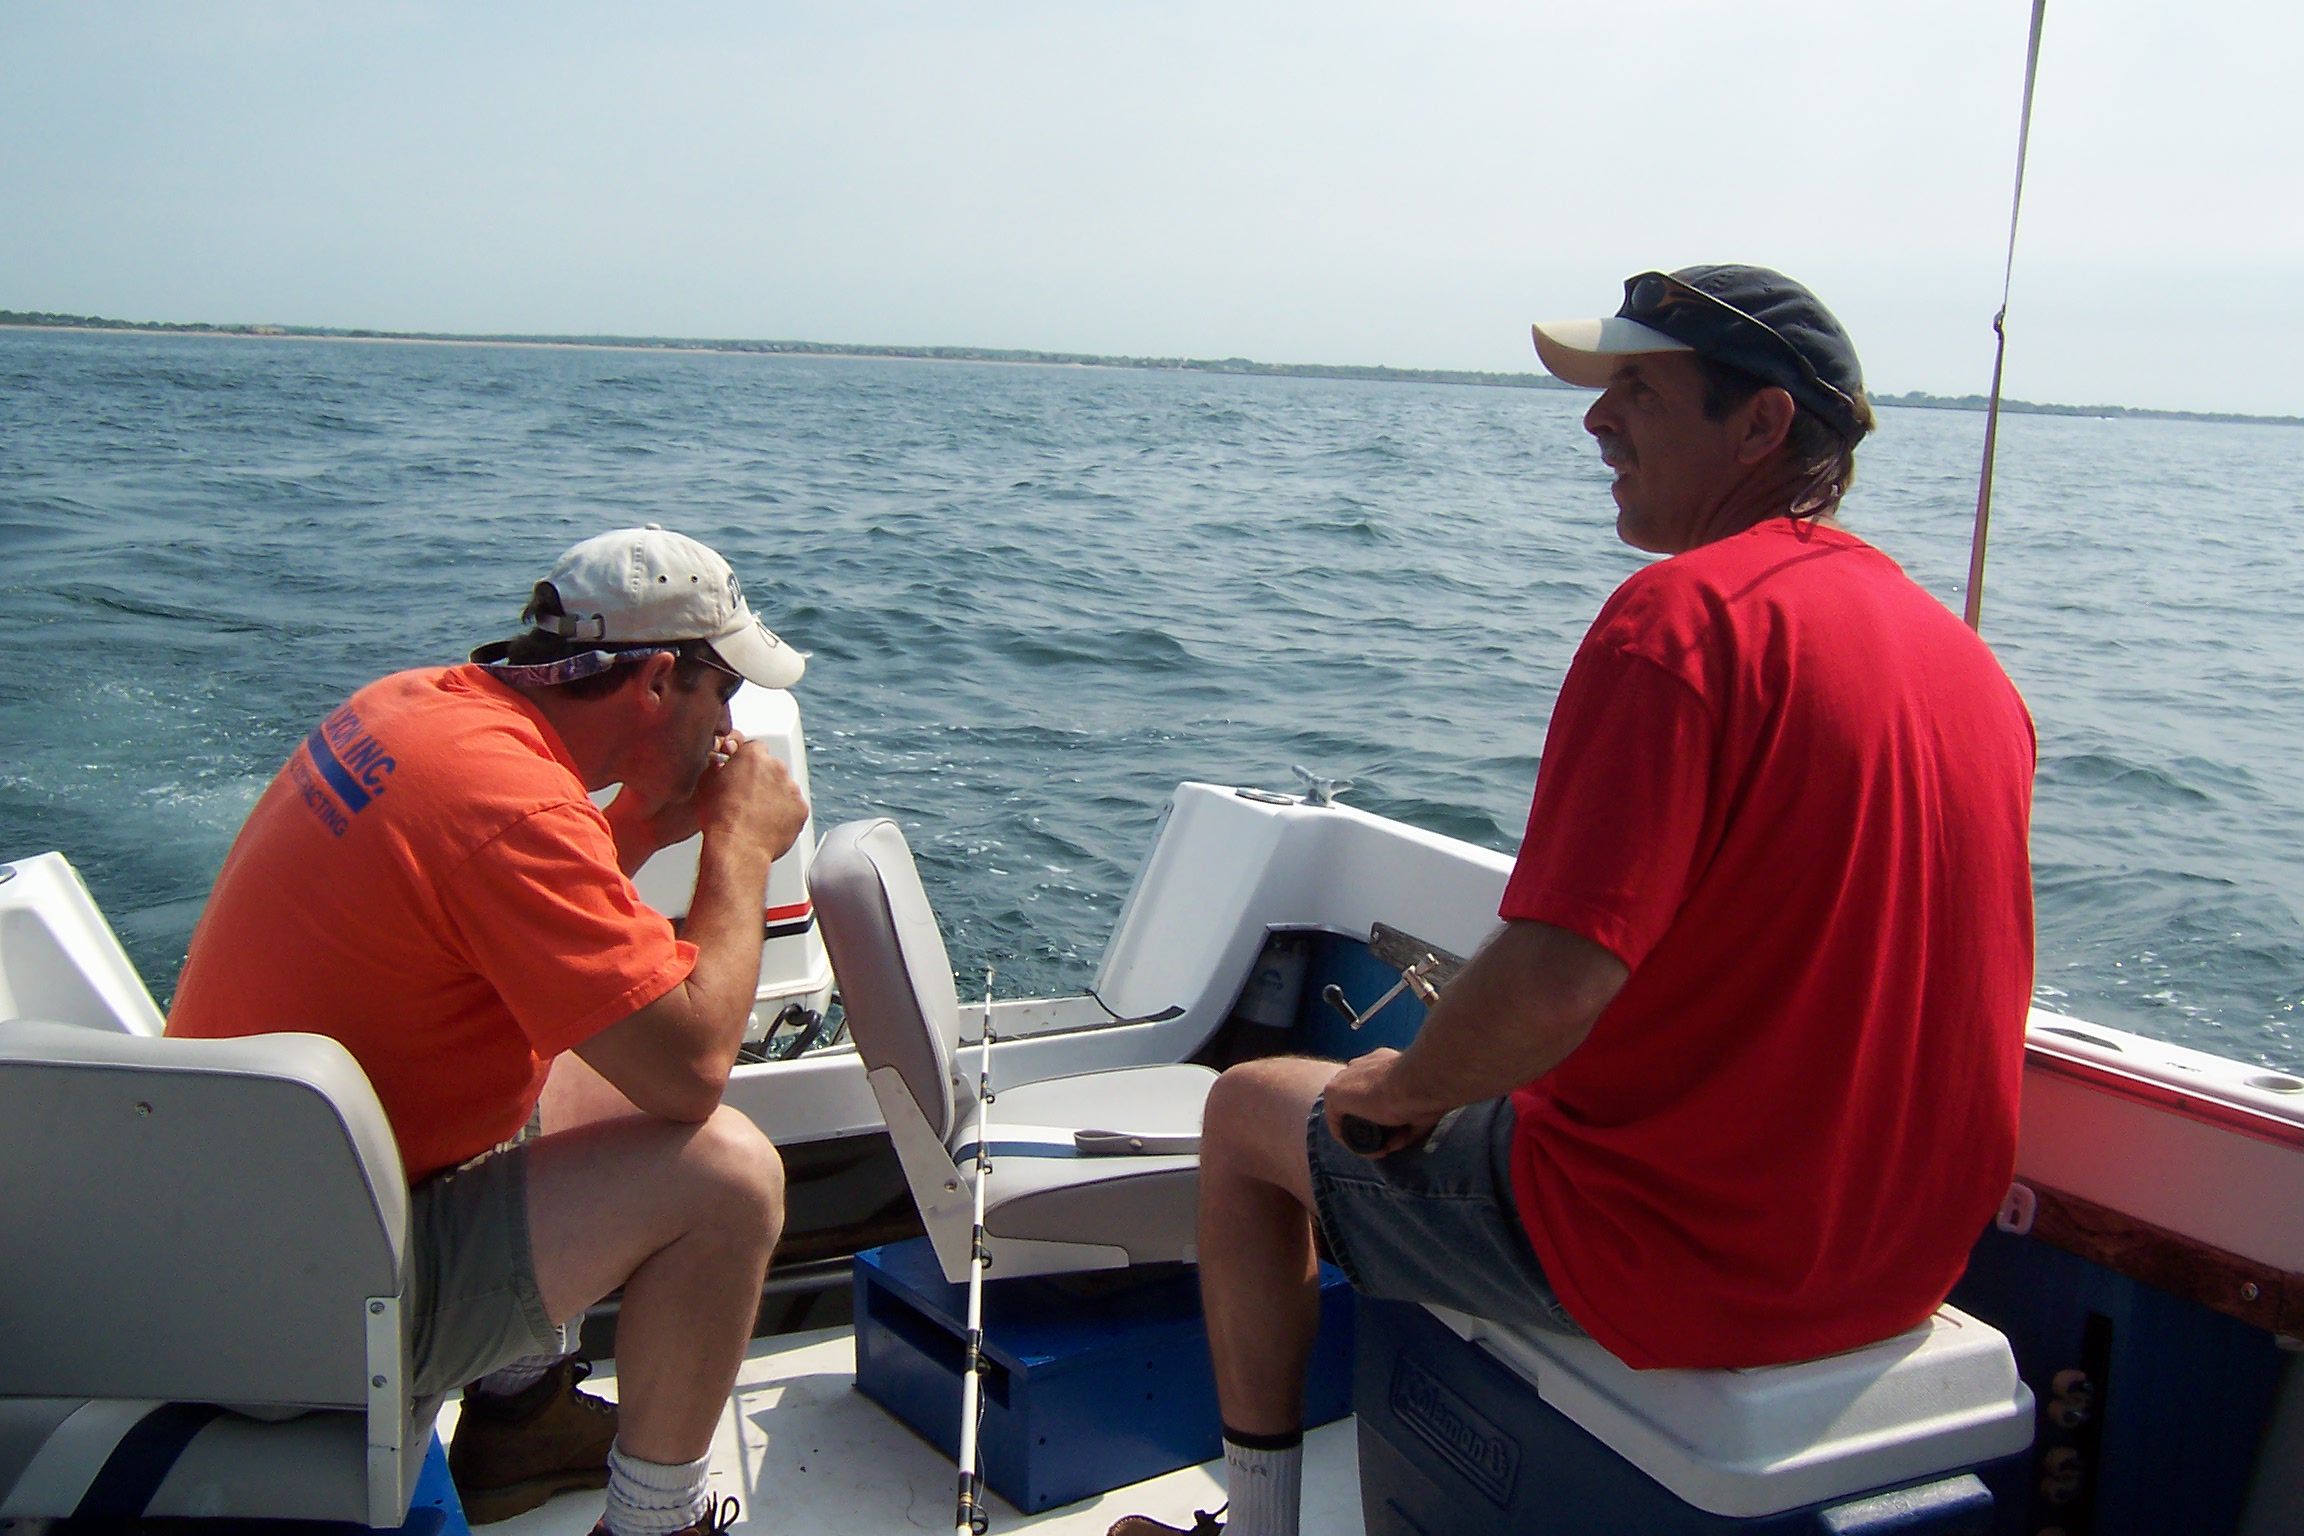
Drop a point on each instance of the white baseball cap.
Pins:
(643, 584)
(1587, 352)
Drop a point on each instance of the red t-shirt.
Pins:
(1792, 793)
(427, 882)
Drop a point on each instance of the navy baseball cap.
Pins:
(1746, 317)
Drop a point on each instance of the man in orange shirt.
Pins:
(428, 882)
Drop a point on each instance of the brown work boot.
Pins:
(719, 1515)
(1204, 1523)
(512, 1453)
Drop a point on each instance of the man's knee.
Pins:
(1256, 1113)
(1238, 1099)
(742, 1170)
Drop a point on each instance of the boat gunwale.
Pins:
(2191, 1101)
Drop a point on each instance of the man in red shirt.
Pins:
(428, 881)
(1735, 1083)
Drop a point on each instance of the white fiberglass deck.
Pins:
(809, 1455)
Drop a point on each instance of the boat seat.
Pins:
(1058, 1199)
(1932, 1403)
(201, 1300)
(59, 959)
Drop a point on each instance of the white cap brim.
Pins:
(753, 649)
(1585, 351)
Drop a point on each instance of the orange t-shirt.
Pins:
(427, 882)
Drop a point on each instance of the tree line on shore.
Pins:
(1911, 399)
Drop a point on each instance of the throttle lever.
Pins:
(1411, 980)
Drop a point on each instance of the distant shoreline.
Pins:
(1910, 400)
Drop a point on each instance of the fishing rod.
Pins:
(1975, 607)
(972, 1519)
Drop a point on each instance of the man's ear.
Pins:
(654, 677)
(1767, 422)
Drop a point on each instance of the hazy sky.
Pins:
(1334, 182)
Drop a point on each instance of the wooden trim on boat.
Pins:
(2256, 1294)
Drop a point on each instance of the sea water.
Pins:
(1036, 598)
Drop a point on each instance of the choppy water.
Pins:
(1037, 598)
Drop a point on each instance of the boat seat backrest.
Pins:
(192, 1220)
(1049, 1203)
(895, 977)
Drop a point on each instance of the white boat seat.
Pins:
(76, 1455)
(1757, 1442)
(59, 959)
(1053, 1204)
(192, 1223)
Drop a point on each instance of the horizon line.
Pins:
(1238, 366)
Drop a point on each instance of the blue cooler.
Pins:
(1096, 1380)
(1469, 1428)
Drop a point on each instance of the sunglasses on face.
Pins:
(703, 654)
(698, 651)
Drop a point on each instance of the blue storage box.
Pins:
(434, 1508)
(1096, 1380)
(1468, 1429)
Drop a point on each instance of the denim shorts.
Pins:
(1435, 1221)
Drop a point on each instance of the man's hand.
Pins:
(672, 1058)
(745, 789)
(643, 831)
(748, 794)
(1365, 1090)
(1517, 1010)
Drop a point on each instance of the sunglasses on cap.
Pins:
(1717, 329)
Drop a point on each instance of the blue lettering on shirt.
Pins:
(316, 799)
(353, 763)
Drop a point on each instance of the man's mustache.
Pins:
(1615, 452)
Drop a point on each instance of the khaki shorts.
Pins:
(473, 1304)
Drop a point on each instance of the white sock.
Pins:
(525, 1372)
(1265, 1486)
(649, 1498)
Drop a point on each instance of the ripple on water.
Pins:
(2103, 772)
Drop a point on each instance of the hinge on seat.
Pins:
(387, 1411)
